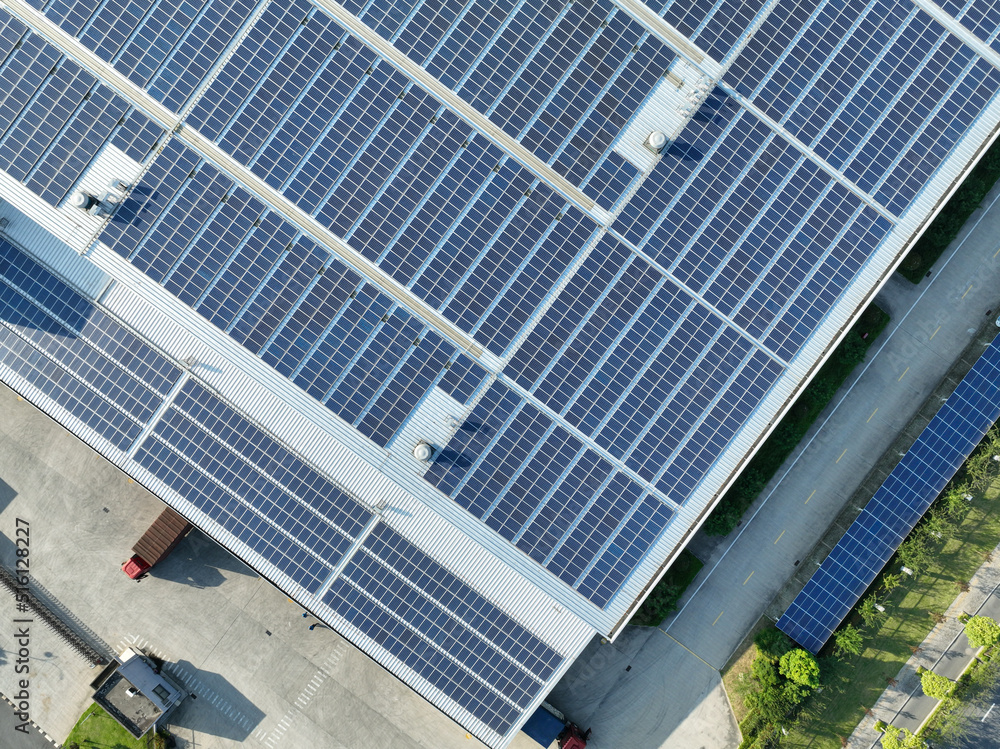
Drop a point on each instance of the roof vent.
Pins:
(656, 141)
(103, 207)
(423, 452)
(83, 200)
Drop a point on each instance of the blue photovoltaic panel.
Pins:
(765, 235)
(54, 116)
(629, 359)
(541, 489)
(254, 487)
(442, 629)
(75, 354)
(163, 46)
(562, 78)
(888, 106)
(714, 25)
(900, 502)
(981, 17)
(404, 181)
(281, 296)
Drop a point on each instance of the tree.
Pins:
(869, 612)
(913, 553)
(891, 739)
(772, 643)
(982, 631)
(936, 686)
(848, 640)
(891, 581)
(800, 667)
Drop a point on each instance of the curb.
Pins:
(33, 723)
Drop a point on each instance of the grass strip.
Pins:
(98, 730)
(668, 591)
(946, 225)
(793, 427)
(854, 684)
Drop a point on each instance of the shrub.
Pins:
(936, 686)
(848, 640)
(982, 631)
(800, 667)
(772, 643)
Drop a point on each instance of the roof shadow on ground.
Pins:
(217, 708)
(199, 561)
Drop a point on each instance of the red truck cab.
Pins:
(135, 567)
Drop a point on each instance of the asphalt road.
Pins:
(931, 325)
(984, 734)
(11, 738)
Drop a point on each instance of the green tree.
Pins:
(913, 552)
(799, 667)
(848, 640)
(891, 581)
(772, 643)
(891, 739)
(869, 612)
(982, 631)
(936, 686)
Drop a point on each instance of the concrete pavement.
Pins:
(932, 324)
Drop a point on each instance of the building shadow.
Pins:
(214, 708)
(199, 561)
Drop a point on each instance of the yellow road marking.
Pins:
(718, 617)
(904, 374)
(872, 416)
(842, 455)
(967, 291)
(809, 497)
(779, 536)
(689, 649)
(996, 253)
(748, 577)
(934, 333)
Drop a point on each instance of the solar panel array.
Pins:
(900, 502)
(257, 492)
(55, 116)
(69, 350)
(624, 347)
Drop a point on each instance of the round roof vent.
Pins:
(423, 451)
(656, 141)
(83, 201)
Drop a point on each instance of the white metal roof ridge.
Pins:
(956, 29)
(69, 46)
(671, 37)
(837, 175)
(315, 432)
(874, 274)
(463, 109)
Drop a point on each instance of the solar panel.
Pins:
(442, 629)
(615, 357)
(980, 17)
(56, 341)
(900, 502)
(162, 46)
(254, 487)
